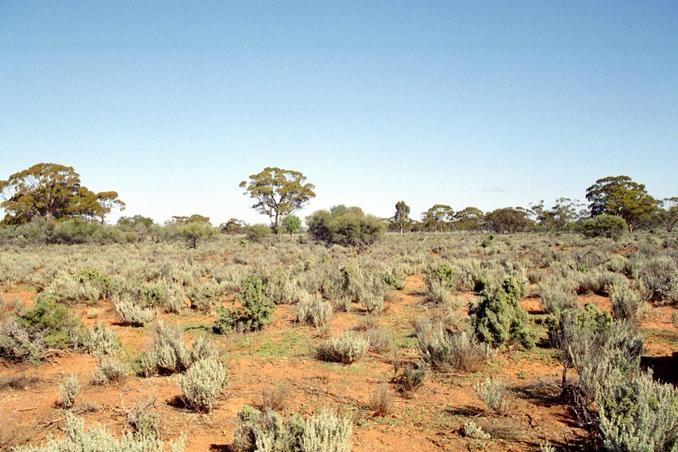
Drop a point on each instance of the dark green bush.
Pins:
(52, 320)
(604, 225)
(345, 226)
(498, 318)
(255, 313)
(258, 232)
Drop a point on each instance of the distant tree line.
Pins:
(47, 203)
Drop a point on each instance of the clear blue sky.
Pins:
(487, 104)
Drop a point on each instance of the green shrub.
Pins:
(345, 226)
(257, 232)
(639, 415)
(660, 277)
(255, 313)
(345, 349)
(498, 318)
(53, 322)
(202, 384)
(604, 225)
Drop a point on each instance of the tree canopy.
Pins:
(53, 191)
(401, 219)
(278, 193)
(437, 218)
(508, 220)
(623, 197)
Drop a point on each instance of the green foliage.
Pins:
(278, 193)
(50, 190)
(345, 226)
(257, 232)
(638, 415)
(291, 224)
(604, 225)
(508, 220)
(437, 218)
(268, 431)
(621, 196)
(52, 321)
(256, 309)
(193, 229)
(401, 219)
(498, 318)
(627, 304)
(202, 384)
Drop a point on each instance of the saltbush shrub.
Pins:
(268, 431)
(638, 415)
(97, 438)
(627, 304)
(660, 278)
(168, 354)
(314, 311)
(345, 349)
(133, 314)
(110, 370)
(202, 384)
(68, 391)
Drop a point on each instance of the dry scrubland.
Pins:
(421, 342)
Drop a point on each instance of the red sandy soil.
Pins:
(283, 352)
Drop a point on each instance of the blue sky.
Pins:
(477, 103)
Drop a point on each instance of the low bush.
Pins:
(274, 398)
(268, 431)
(659, 276)
(638, 415)
(443, 349)
(314, 311)
(498, 318)
(99, 439)
(345, 349)
(110, 370)
(168, 354)
(471, 430)
(68, 391)
(410, 377)
(202, 384)
(256, 309)
(627, 304)
(493, 393)
(380, 401)
(58, 327)
(133, 314)
(556, 295)
(101, 340)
